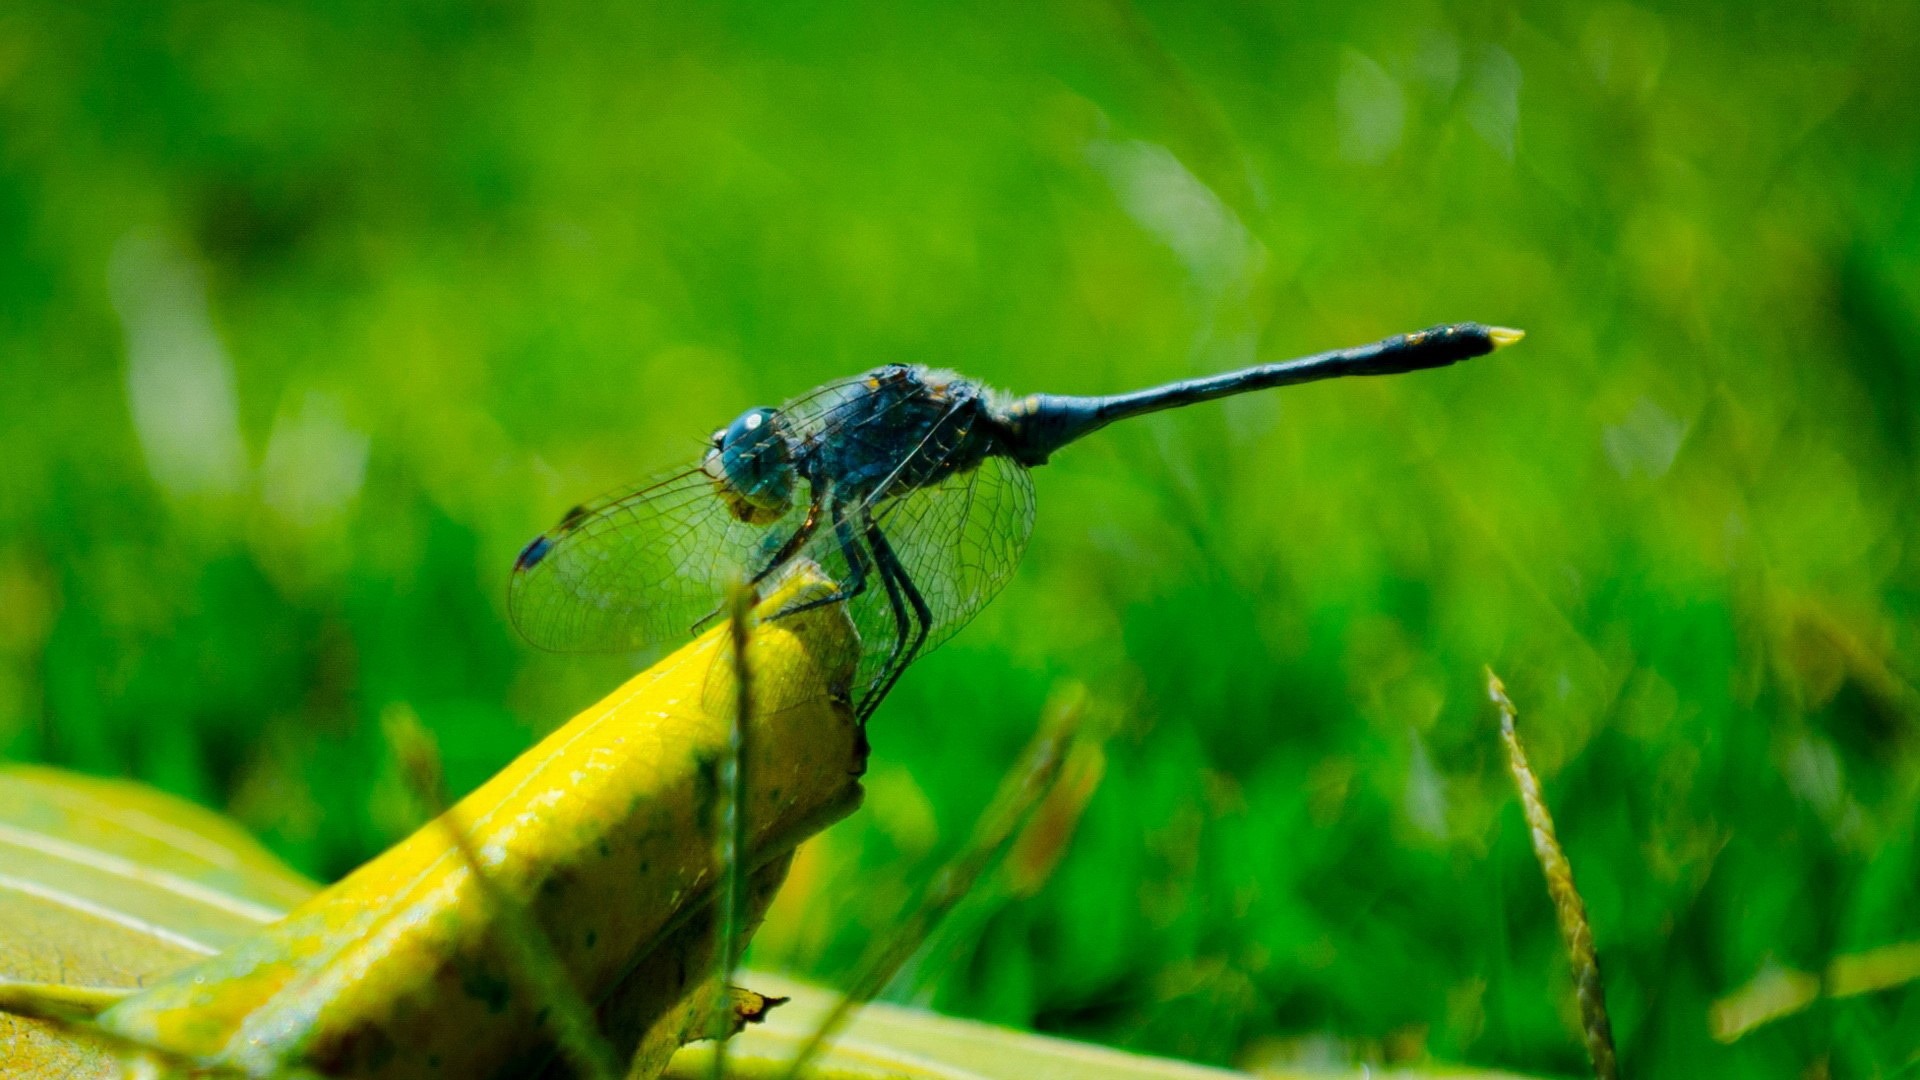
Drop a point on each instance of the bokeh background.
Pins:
(312, 314)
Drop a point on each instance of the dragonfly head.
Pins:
(751, 465)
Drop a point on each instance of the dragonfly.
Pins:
(909, 487)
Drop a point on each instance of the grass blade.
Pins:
(1036, 773)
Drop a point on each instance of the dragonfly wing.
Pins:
(960, 539)
(636, 569)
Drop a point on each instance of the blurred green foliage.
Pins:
(312, 314)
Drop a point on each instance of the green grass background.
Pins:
(311, 315)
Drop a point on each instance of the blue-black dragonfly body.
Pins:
(908, 486)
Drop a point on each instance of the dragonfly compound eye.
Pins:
(752, 467)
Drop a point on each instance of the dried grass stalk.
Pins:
(1575, 932)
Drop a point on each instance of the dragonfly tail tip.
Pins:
(1504, 336)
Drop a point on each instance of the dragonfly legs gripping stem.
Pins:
(912, 617)
(787, 550)
(898, 584)
(856, 582)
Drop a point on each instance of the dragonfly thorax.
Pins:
(752, 467)
(901, 428)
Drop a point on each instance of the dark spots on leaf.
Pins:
(540, 1018)
(487, 988)
(706, 789)
(358, 1049)
(645, 865)
(593, 938)
(606, 849)
(382, 1051)
(433, 1061)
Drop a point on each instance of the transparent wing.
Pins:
(822, 411)
(637, 569)
(960, 540)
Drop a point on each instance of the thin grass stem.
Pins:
(531, 956)
(1575, 932)
(1036, 773)
(730, 835)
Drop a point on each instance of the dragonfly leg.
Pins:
(899, 584)
(787, 549)
(856, 570)
(902, 628)
(792, 545)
